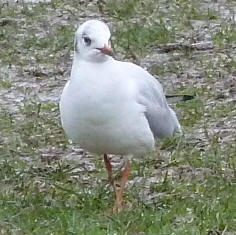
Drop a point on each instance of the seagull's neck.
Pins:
(81, 65)
(92, 60)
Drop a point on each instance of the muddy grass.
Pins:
(186, 187)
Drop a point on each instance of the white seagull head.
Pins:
(92, 41)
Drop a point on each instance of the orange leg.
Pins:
(109, 168)
(118, 184)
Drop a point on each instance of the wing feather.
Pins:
(161, 118)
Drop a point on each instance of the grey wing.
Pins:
(161, 118)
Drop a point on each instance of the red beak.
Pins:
(106, 50)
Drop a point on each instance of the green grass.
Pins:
(5, 84)
(44, 46)
(136, 38)
(36, 121)
(226, 34)
(195, 190)
(45, 200)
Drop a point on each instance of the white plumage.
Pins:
(109, 106)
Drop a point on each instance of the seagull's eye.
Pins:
(87, 41)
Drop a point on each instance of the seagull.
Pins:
(112, 107)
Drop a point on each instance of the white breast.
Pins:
(98, 112)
